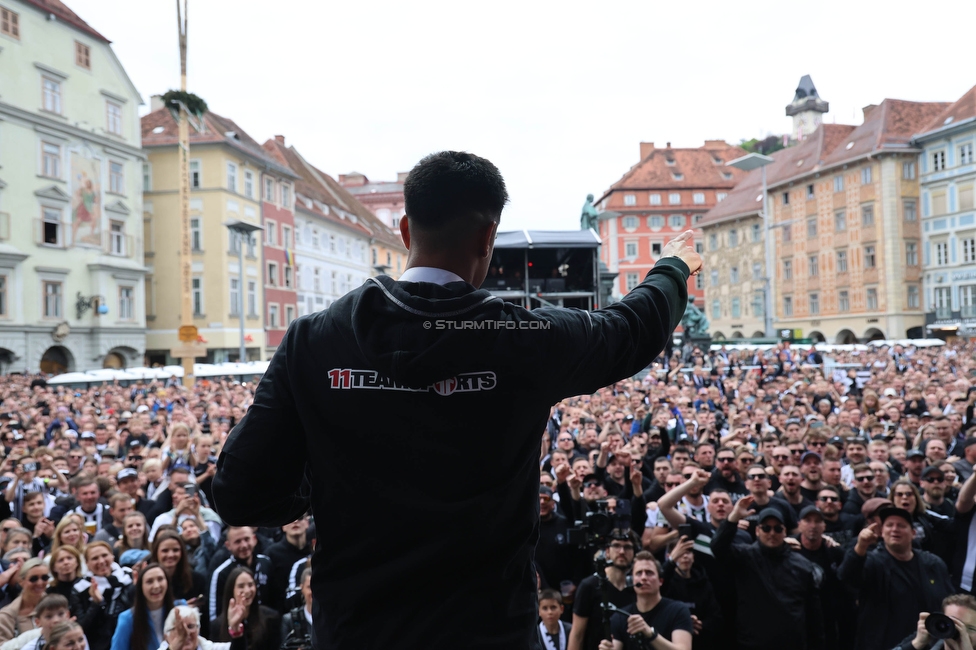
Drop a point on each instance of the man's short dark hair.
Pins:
(962, 600)
(550, 594)
(452, 189)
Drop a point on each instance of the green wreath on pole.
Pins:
(195, 104)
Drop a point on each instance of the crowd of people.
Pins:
(108, 535)
(764, 499)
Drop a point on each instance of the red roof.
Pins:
(61, 11)
(963, 108)
(888, 126)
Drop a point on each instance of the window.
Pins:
(840, 220)
(630, 199)
(631, 249)
(655, 221)
(939, 202)
(113, 118)
(943, 302)
(716, 310)
(787, 269)
(249, 184)
(52, 229)
(633, 279)
(814, 304)
(317, 283)
(9, 23)
(872, 301)
(869, 257)
(698, 198)
(655, 199)
(53, 299)
(966, 197)
(969, 250)
(733, 238)
(908, 206)
(195, 173)
(116, 177)
(335, 282)
(117, 238)
(252, 243)
(813, 264)
(787, 305)
(286, 236)
(678, 176)
(714, 277)
(273, 316)
(911, 254)
(720, 196)
(967, 300)
(126, 303)
(736, 307)
(3, 295)
(146, 177)
(656, 248)
(756, 271)
(787, 233)
(235, 297)
(786, 198)
(734, 275)
(811, 228)
(50, 160)
(196, 294)
(196, 235)
(712, 242)
(865, 176)
(252, 298)
(938, 161)
(913, 299)
(842, 261)
(82, 56)
(699, 282)
(232, 176)
(867, 215)
(843, 301)
(51, 90)
(758, 308)
(966, 153)
(811, 192)
(269, 193)
(288, 277)
(315, 241)
(908, 170)
(838, 183)
(270, 232)
(677, 221)
(630, 223)
(289, 314)
(756, 233)
(674, 198)
(942, 253)
(272, 274)
(285, 196)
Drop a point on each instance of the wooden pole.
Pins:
(186, 255)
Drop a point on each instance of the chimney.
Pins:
(280, 139)
(155, 102)
(402, 176)
(716, 144)
(646, 148)
(352, 179)
(867, 110)
(669, 145)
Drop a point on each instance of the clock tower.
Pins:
(806, 109)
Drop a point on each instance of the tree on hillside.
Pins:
(765, 146)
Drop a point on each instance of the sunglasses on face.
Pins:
(781, 457)
(934, 479)
(42, 578)
(861, 479)
(672, 485)
(756, 477)
(829, 499)
(766, 528)
(818, 444)
(590, 484)
(724, 460)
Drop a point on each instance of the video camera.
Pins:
(298, 636)
(597, 525)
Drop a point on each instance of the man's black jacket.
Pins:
(389, 526)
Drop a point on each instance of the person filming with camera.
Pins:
(588, 606)
(952, 629)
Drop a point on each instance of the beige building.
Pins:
(229, 174)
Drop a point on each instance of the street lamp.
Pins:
(243, 230)
(747, 163)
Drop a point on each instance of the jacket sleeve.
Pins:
(269, 437)
(814, 613)
(722, 541)
(123, 631)
(8, 621)
(851, 570)
(589, 350)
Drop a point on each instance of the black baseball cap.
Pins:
(543, 489)
(771, 513)
(892, 511)
(932, 471)
(810, 510)
(915, 453)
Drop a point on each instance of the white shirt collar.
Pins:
(429, 274)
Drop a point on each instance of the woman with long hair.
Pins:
(134, 534)
(169, 552)
(932, 532)
(65, 571)
(18, 617)
(102, 596)
(141, 626)
(68, 533)
(261, 625)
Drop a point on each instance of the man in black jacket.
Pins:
(428, 351)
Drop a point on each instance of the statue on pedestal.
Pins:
(694, 321)
(590, 218)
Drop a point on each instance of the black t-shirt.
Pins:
(666, 617)
(588, 605)
(904, 598)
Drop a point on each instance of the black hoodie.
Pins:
(403, 558)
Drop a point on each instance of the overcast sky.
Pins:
(558, 95)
